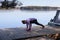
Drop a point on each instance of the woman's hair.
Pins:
(23, 21)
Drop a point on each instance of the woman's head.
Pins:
(23, 21)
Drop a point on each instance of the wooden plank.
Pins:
(19, 33)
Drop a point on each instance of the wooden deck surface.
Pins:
(17, 33)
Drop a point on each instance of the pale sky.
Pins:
(41, 2)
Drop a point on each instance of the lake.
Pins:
(11, 18)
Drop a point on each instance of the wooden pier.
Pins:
(21, 33)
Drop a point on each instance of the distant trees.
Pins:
(7, 4)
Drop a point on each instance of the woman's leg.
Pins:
(39, 24)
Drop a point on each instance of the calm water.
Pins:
(12, 18)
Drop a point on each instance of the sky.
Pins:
(41, 2)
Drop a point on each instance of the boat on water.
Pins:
(56, 20)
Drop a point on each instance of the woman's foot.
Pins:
(28, 30)
(43, 27)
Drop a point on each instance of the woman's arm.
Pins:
(27, 26)
(30, 25)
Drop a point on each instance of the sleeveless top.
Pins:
(30, 19)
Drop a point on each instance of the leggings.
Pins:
(35, 22)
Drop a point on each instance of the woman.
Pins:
(29, 23)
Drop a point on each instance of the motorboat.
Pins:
(56, 20)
